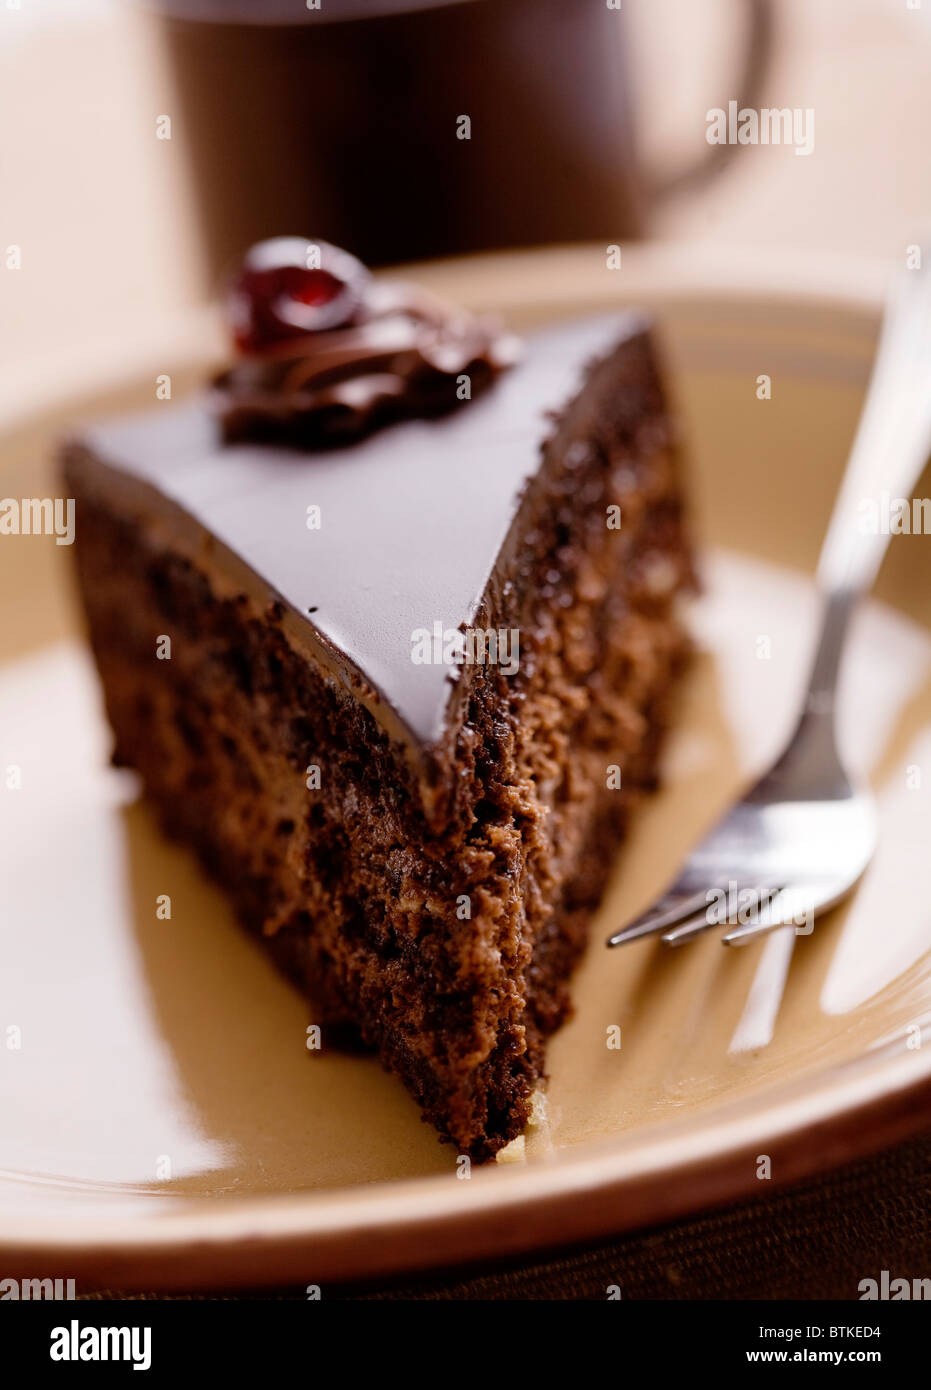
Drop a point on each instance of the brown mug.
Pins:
(405, 129)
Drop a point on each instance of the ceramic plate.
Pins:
(162, 1121)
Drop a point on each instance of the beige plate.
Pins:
(163, 1122)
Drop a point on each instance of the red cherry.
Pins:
(288, 287)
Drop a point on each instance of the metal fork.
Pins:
(800, 839)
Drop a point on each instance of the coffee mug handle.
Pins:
(756, 63)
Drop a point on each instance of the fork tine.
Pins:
(705, 921)
(688, 930)
(668, 910)
(790, 904)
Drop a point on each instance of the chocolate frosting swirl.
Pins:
(400, 357)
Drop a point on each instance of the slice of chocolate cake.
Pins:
(399, 693)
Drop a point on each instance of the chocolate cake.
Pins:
(385, 622)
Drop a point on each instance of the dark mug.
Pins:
(405, 129)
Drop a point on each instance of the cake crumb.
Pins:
(513, 1152)
(538, 1116)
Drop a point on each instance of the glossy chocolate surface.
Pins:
(412, 519)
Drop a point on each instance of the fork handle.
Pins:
(890, 450)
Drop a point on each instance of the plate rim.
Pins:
(585, 1190)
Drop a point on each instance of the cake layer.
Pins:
(423, 856)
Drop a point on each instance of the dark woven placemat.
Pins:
(814, 1240)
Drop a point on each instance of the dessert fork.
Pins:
(799, 840)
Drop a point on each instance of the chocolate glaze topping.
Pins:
(403, 355)
(417, 520)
